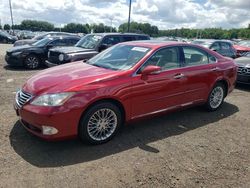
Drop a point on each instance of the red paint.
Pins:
(139, 95)
(241, 49)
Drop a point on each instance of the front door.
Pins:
(159, 91)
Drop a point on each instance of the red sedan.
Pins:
(92, 99)
(242, 48)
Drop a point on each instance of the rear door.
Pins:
(200, 71)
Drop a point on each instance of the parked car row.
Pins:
(34, 55)
(53, 51)
(89, 46)
(42, 36)
(7, 38)
(68, 49)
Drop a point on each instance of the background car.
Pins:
(131, 80)
(33, 56)
(223, 47)
(7, 38)
(42, 36)
(89, 46)
(242, 48)
(243, 69)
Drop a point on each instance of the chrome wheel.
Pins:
(102, 124)
(32, 62)
(216, 97)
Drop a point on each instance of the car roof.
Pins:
(63, 37)
(155, 43)
(213, 40)
(119, 34)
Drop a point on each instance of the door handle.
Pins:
(215, 69)
(178, 76)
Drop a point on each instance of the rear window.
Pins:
(143, 38)
(129, 38)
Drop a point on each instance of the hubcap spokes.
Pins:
(32, 62)
(216, 97)
(102, 124)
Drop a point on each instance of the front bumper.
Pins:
(49, 64)
(14, 60)
(34, 117)
(243, 78)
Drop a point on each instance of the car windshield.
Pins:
(39, 37)
(244, 43)
(206, 44)
(89, 41)
(119, 57)
(42, 42)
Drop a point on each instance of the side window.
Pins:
(194, 56)
(167, 58)
(111, 40)
(71, 41)
(212, 59)
(57, 42)
(143, 38)
(215, 46)
(225, 46)
(128, 38)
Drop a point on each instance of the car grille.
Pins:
(22, 98)
(243, 53)
(243, 70)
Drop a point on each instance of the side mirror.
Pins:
(103, 47)
(151, 69)
(214, 49)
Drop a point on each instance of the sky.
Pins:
(166, 14)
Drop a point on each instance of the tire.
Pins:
(100, 123)
(216, 97)
(32, 62)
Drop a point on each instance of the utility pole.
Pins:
(111, 20)
(12, 23)
(130, 1)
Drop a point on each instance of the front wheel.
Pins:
(32, 62)
(216, 97)
(100, 123)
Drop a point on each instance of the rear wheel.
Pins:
(32, 62)
(100, 123)
(216, 97)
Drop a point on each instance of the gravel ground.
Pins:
(189, 148)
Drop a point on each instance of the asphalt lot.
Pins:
(189, 148)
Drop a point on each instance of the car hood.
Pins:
(19, 48)
(243, 61)
(67, 78)
(72, 49)
(242, 48)
(23, 42)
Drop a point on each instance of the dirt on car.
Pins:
(188, 148)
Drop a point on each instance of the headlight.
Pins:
(16, 53)
(61, 57)
(52, 99)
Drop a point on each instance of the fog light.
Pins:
(49, 130)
